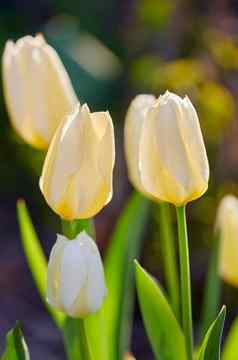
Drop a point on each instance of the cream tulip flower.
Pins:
(227, 226)
(76, 283)
(167, 158)
(76, 179)
(37, 89)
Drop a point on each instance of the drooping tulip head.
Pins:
(76, 283)
(37, 89)
(76, 179)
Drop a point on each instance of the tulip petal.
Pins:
(73, 275)
(53, 278)
(94, 290)
(135, 118)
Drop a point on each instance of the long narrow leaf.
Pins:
(230, 351)
(163, 330)
(124, 247)
(16, 348)
(211, 346)
(35, 256)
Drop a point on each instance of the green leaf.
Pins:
(168, 249)
(211, 346)
(231, 344)
(124, 247)
(16, 348)
(35, 256)
(163, 330)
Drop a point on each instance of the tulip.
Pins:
(227, 225)
(37, 89)
(165, 151)
(76, 283)
(76, 179)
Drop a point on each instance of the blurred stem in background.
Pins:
(185, 280)
(169, 256)
(212, 288)
(75, 336)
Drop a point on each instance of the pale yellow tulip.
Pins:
(165, 151)
(37, 89)
(227, 227)
(76, 179)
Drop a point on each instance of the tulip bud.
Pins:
(227, 225)
(76, 283)
(37, 89)
(165, 152)
(77, 174)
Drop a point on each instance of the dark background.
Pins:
(112, 51)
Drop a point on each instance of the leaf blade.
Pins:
(211, 345)
(163, 330)
(35, 257)
(16, 348)
(231, 344)
(124, 247)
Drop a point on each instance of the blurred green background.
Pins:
(114, 50)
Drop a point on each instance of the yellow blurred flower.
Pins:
(165, 152)
(76, 179)
(217, 108)
(37, 89)
(227, 225)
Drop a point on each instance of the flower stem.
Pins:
(84, 345)
(169, 256)
(185, 280)
(75, 340)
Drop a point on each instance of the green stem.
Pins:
(75, 340)
(169, 256)
(185, 280)
(72, 228)
(85, 348)
(212, 288)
